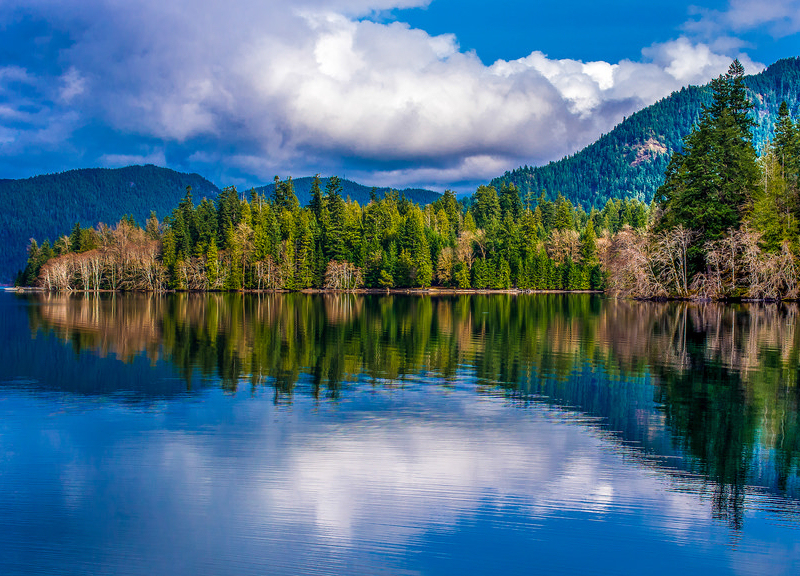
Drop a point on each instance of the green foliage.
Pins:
(234, 243)
(486, 206)
(710, 183)
(283, 196)
(630, 161)
(37, 257)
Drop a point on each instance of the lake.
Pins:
(344, 434)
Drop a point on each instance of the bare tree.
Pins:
(342, 276)
(631, 266)
(444, 266)
(564, 243)
(670, 254)
(465, 252)
(268, 274)
(57, 274)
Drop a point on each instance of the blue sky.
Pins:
(434, 93)
(612, 30)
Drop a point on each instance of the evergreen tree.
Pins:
(589, 244)
(153, 228)
(709, 183)
(786, 146)
(510, 202)
(315, 204)
(283, 196)
(480, 274)
(229, 214)
(333, 221)
(212, 264)
(461, 274)
(772, 213)
(75, 238)
(564, 214)
(486, 206)
(304, 251)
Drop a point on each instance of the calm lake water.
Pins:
(294, 434)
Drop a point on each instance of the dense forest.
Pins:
(630, 161)
(48, 205)
(256, 242)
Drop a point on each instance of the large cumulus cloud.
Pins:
(243, 91)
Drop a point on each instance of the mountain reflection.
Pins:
(693, 388)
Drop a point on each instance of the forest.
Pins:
(724, 224)
(255, 242)
(46, 206)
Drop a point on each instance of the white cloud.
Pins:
(294, 89)
(691, 63)
(73, 84)
(779, 17)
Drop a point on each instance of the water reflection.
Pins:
(697, 390)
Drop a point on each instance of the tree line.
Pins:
(492, 240)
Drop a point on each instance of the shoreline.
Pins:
(368, 291)
(436, 291)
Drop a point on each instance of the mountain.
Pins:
(629, 161)
(47, 206)
(357, 192)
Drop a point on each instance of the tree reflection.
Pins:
(715, 385)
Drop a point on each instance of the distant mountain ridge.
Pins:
(46, 207)
(629, 161)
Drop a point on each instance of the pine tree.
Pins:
(75, 238)
(772, 213)
(709, 184)
(283, 196)
(462, 276)
(486, 206)
(564, 216)
(786, 146)
(480, 274)
(152, 228)
(229, 214)
(589, 244)
(333, 221)
(304, 251)
(212, 264)
(315, 204)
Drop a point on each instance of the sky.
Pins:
(431, 93)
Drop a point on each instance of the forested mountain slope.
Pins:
(47, 206)
(629, 161)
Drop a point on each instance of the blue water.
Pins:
(391, 439)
